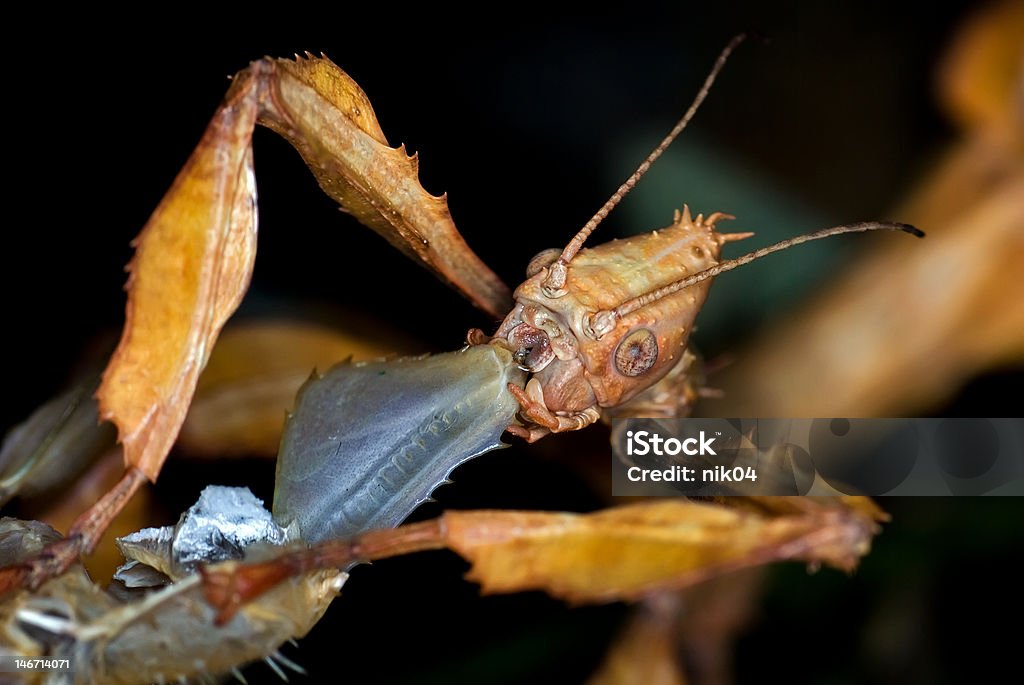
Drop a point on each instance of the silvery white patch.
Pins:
(219, 526)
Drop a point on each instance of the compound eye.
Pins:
(636, 353)
(542, 260)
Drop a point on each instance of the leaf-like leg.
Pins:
(195, 255)
(621, 553)
(230, 586)
(326, 116)
(192, 265)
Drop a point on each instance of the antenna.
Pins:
(554, 282)
(605, 320)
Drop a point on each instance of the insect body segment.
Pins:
(342, 469)
(578, 366)
(154, 625)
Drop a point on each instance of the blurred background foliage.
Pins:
(530, 119)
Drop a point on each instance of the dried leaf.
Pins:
(629, 552)
(253, 375)
(192, 264)
(324, 114)
(696, 627)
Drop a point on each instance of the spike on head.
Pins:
(724, 238)
(554, 283)
(716, 217)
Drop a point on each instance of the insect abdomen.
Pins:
(368, 443)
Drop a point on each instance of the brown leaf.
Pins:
(192, 264)
(324, 114)
(629, 552)
(253, 375)
(712, 617)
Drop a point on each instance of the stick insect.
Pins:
(592, 331)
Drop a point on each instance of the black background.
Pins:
(518, 116)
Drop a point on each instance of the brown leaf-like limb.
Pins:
(626, 552)
(62, 512)
(192, 265)
(324, 114)
(194, 257)
(229, 587)
(629, 552)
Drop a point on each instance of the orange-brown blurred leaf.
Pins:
(628, 552)
(326, 116)
(100, 478)
(192, 264)
(253, 375)
(711, 618)
(981, 76)
(696, 628)
(647, 651)
(910, 323)
(903, 329)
